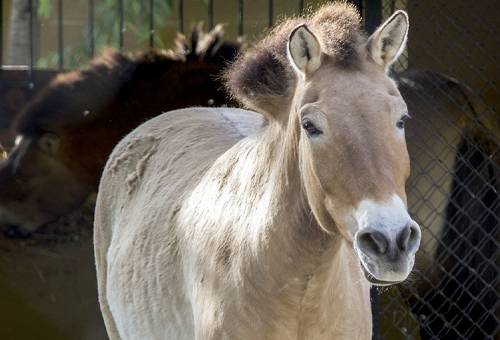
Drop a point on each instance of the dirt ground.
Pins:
(48, 285)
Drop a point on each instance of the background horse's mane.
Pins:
(80, 96)
(262, 79)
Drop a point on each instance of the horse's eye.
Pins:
(310, 128)
(401, 122)
(49, 142)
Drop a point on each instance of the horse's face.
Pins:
(352, 149)
(37, 185)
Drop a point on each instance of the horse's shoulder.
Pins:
(184, 125)
(197, 119)
(177, 145)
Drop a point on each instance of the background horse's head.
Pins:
(327, 85)
(67, 131)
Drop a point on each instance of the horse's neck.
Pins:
(262, 230)
(275, 162)
(337, 284)
(254, 195)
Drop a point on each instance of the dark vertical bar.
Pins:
(375, 313)
(1, 34)
(373, 15)
(60, 38)
(210, 14)
(393, 6)
(91, 29)
(181, 16)
(359, 6)
(121, 23)
(270, 12)
(31, 38)
(301, 5)
(151, 24)
(240, 17)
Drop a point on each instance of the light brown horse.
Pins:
(67, 132)
(231, 224)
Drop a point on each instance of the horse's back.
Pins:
(140, 275)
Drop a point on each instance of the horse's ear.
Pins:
(387, 43)
(304, 50)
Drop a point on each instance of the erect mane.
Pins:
(262, 79)
(80, 96)
(206, 46)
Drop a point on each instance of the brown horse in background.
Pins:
(66, 133)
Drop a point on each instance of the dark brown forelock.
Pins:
(262, 78)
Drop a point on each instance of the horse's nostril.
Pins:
(373, 242)
(403, 238)
(408, 237)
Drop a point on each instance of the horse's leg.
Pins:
(102, 239)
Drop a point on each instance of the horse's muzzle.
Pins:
(387, 256)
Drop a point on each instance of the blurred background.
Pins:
(77, 75)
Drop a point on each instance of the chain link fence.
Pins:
(453, 190)
(453, 141)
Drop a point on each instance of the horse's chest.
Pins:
(336, 324)
(301, 317)
(336, 305)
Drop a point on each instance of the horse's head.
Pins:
(37, 185)
(352, 151)
(325, 85)
(67, 131)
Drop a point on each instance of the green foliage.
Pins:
(106, 27)
(44, 8)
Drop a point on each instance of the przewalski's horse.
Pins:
(68, 131)
(228, 224)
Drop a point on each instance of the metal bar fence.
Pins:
(60, 36)
(181, 16)
(120, 9)
(90, 24)
(372, 15)
(31, 34)
(371, 21)
(151, 24)
(270, 13)
(301, 6)
(121, 24)
(210, 14)
(359, 5)
(1, 34)
(240, 17)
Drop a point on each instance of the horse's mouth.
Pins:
(376, 282)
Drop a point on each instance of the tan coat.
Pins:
(233, 225)
(179, 258)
